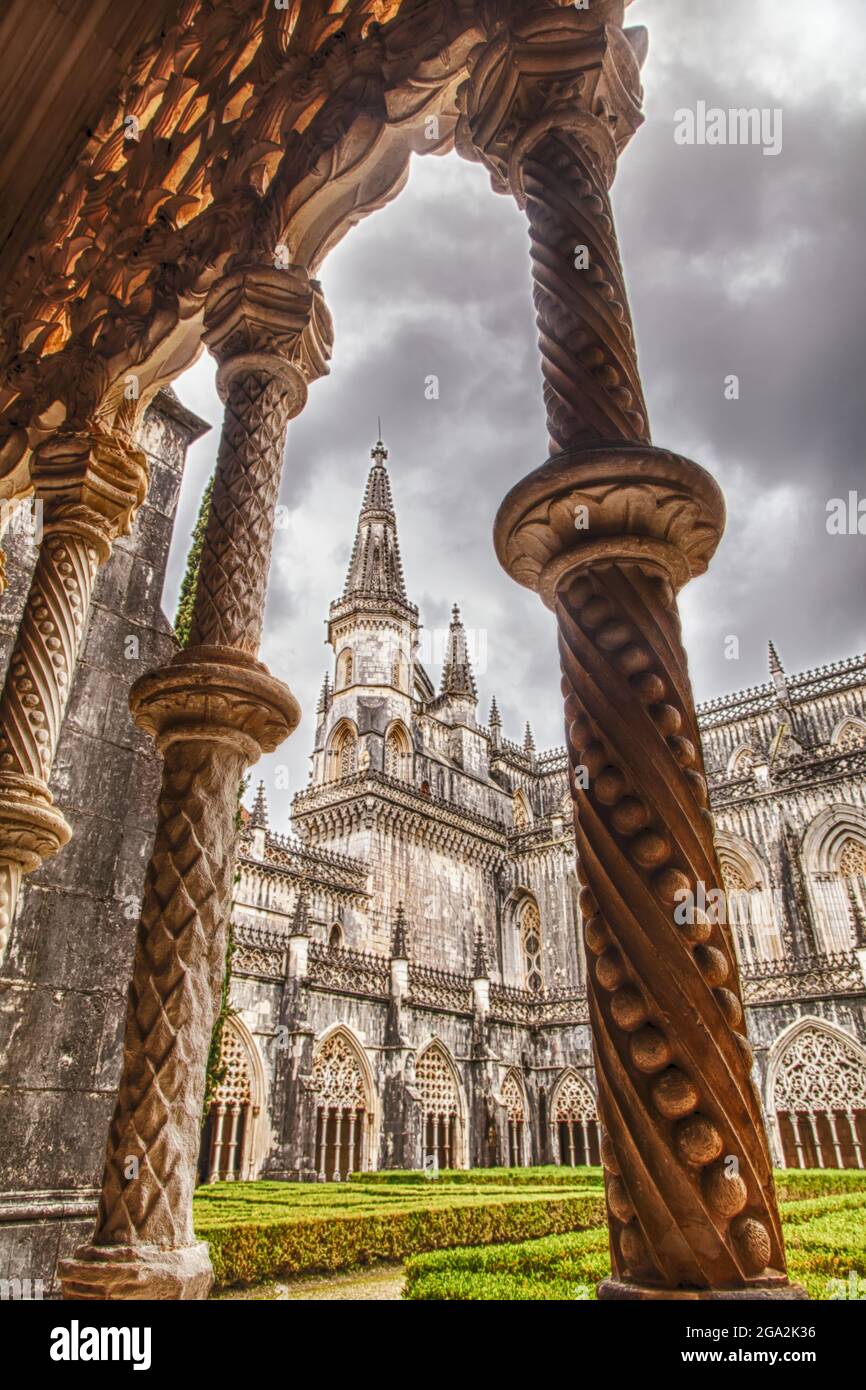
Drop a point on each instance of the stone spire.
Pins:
(528, 740)
(494, 719)
(399, 937)
(324, 695)
(777, 672)
(457, 677)
(481, 966)
(259, 814)
(376, 569)
(300, 923)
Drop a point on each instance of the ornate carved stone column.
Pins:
(213, 710)
(607, 532)
(91, 486)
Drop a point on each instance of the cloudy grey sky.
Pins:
(737, 263)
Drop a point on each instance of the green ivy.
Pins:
(186, 597)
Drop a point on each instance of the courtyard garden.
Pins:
(488, 1234)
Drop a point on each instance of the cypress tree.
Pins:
(186, 597)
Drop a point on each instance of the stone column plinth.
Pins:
(607, 532)
(213, 710)
(91, 486)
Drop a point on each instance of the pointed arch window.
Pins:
(819, 1100)
(515, 1111)
(345, 668)
(530, 947)
(229, 1122)
(341, 1114)
(520, 811)
(851, 736)
(573, 1122)
(335, 937)
(344, 753)
(440, 1103)
(397, 753)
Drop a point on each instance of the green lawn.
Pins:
(492, 1233)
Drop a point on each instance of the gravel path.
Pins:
(380, 1283)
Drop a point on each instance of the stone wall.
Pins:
(63, 987)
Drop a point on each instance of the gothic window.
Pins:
(520, 811)
(819, 1099)
(335, 937)
(341, 1112)
(742, 762)
(397, 753)
(530, 946)
(575, 1136)
(229, 1121)
(440, 1104)
(344, 753)
(515, 1110)
(345, 669)
(851, 736)
(852, 860)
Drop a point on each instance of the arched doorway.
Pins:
(816, 1091)
(514, 1100)
(232, 1139)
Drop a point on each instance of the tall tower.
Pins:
(365, 717)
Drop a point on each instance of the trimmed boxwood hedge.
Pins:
(244, 1252)
(825, 1238)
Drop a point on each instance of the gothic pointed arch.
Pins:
(398, 751)
(834, 862)
(521, 811)
(513, 1096)
(346, 1105)
(742, 760)
(236, 1130)
(443, 1108)
(749, 905)
(341, 758)
(816, 1095)
(573, 1121)
(531, 946)
(849, 734)
(345, 668)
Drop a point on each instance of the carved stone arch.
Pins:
(398, 751)
(573, 1121)
(516, 1104)
(849, 734)
(345, 672)
(742, 760)
(238, 1129)
(347, 1105)
(341, 752)
(521, 810)
(816, 1095)
(834, 863)
(444, 1110)
(749, 904)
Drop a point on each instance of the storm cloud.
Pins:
(737, 264)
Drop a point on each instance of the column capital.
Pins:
(264, 318)
(92, 484)
(619, 504)
(547, 68)
(216, 694)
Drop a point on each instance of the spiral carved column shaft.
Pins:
(607, 531)
(92, 487)
(213, 711)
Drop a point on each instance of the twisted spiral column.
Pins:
(92, 487)
(213, 710)
(607, 532)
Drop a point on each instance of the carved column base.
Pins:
(31, 829)
(614, 1290)
(121, 1272)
